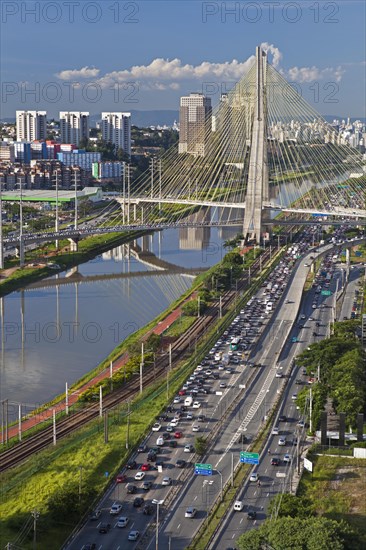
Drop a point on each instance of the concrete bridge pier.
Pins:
(73, 244)
(134, 212)
(19, 250)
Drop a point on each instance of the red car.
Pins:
(275, 461)
(121, 478)
(182, 392)
(178, 434)
(145, 467)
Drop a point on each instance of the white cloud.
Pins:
(277, 55)
(74, 74)
(309, 74)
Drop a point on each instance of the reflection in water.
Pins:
(52, 335)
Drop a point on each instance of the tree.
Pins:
(201, 445)
(300, 534)
(292, 506)
(153, 342)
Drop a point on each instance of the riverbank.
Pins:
(15, 278)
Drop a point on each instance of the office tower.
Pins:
(74, 126)
(31, 125)
(195, 123)
(116, 128)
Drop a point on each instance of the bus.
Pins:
(234, 344)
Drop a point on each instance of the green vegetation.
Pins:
(180, 326)
(342, 373)
(299, 533)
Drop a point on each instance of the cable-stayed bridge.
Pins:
(267, 158)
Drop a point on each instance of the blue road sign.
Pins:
(249, 458)
(203, 469)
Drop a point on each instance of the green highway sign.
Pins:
(326, 293)
(249, 458)
(203, 469)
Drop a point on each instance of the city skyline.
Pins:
(153, 53)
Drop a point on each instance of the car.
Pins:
(278, 374)
(156, 427)
(294, 396)
(188, 448)
(287, 458)
(196, 405)
(138, 502)
(122, 521)
(177, 399)
(159, 463)
(173, 443)
(121, 478)
(195, 428)
(252, 514)
(242, 438)
(131, 488)
(145, 467)
(166, 436)
(254, 477)
(142, 448)
(189, 416)
(294, 339)
(89, 546)
(201, 418)
(223, 385)
(180, 463)
(131, 465)
(104, 528)
(151, 456)
(301, 423)
(303, 316)
(282, 418)
(133, 535)
(148, 509)
(160, 441)
(238, 505)
(115, 509)
(275, 461)
(139, 476)
(96, 514)
(169, 428)
(178, 434)
(166, 481)
(298, 382)
(275, 430)
(190, 512)
(182, 392)
(146, 486)
(306, 265)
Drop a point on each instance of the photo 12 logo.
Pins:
(270, 12)
(70, 12)
(70, 92)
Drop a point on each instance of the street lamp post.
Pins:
(158, 503)
(221, 484)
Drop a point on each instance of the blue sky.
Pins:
(122, 55)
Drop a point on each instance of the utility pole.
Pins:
(35, 515)
(100, 401)
(105, 426)
(20, 421)
(311, 410)
(141, 365)
(128, 424)
(220, 307)
(66, 399)
(54, 426)
(76, 201)
(56, 213)
(111, 374)
(198, 307)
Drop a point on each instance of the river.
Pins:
(55, 334)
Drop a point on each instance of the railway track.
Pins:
(23, 450)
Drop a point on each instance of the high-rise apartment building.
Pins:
(74, 126)
(31, 125)
(195, 123)
(116, 128)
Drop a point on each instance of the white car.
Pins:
(177, 399)
(278, 374)
(174, 422)
(254, 477)
(166, 481)
(196, 405)
(156, 427)
(238, 505)
(133, 535)
(139, 476)
(122, 521)
(294, 396)
(188, 448)
(195, 428)
(275, 430)
(190, 512)
(115, 509)
(160, 441)
(282, 441)
(287, 458)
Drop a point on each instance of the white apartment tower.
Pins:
(116, 128)
(31, 125)
(74, 126)
(194, 123)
